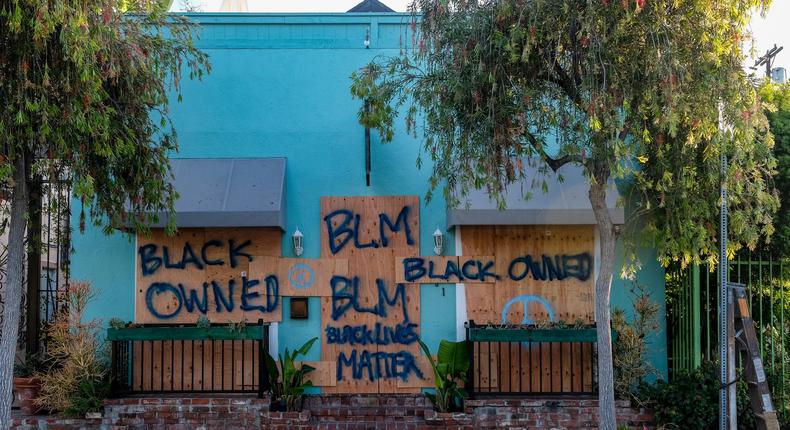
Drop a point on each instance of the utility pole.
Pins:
(767, 60)
(727, 400)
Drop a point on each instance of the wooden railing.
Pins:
(189, 359)
(523, 361)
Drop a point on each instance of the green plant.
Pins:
(287, 379)
(631, 367)
(117, 323)
(27, 368)
(88, 396)
(500, 92)
(203, 322)
(86, 94)
(76, 366)
(449, 371)
(691, 400)
(238, 327)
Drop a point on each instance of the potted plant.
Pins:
(449, 371)
(26, 386)
(287, 379)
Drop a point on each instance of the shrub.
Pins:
(75, 377)
(691, 400)
(27, 368)
(631, 366)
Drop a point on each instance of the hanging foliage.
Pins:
(84, 93)
(647, 92)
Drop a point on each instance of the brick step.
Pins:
(364, 412)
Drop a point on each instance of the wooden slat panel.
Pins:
(203, 367)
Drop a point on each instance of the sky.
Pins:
(774, 28)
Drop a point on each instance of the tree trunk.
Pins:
(13, 288)
(603, 289)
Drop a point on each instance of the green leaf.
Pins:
(455, 355)
(304, 349)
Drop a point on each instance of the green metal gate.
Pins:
(693, 314)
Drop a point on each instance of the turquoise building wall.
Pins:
(279, 87)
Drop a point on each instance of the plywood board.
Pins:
(202, 272)
(569, 299)
(445, 270)
(372, 298)
(487, 370)
(324, 373)
(426, 382)
(301, 277)
(533, 299)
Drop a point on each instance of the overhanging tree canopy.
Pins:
(84, 89)
(649, 90)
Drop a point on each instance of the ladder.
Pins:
(753, 370)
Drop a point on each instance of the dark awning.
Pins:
(228, 192)
(565, 202)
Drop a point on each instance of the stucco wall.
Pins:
(280, 88)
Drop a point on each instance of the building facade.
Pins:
(270, 144)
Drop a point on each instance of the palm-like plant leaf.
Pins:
(438, 380)
(455, 355)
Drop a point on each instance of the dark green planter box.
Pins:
(255, 332)
(534, 335)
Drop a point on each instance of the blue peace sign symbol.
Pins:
(525, 300)
(301, 276)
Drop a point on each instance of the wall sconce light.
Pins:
(297, 238)
(438, 242)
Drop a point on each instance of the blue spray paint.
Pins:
(525, 300)
(191, 301)
(345, 296)
(416, 268)
(301, 276)
(377, 365)
(560, 267)
(379, 334)
(344, 233)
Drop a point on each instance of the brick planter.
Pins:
(26, 390)
(341, 411)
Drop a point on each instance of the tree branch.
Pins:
(554, 163)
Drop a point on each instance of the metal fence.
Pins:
(530, 361)
(693, 314)
(48, 259)
(46, 263)
(189, 359)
